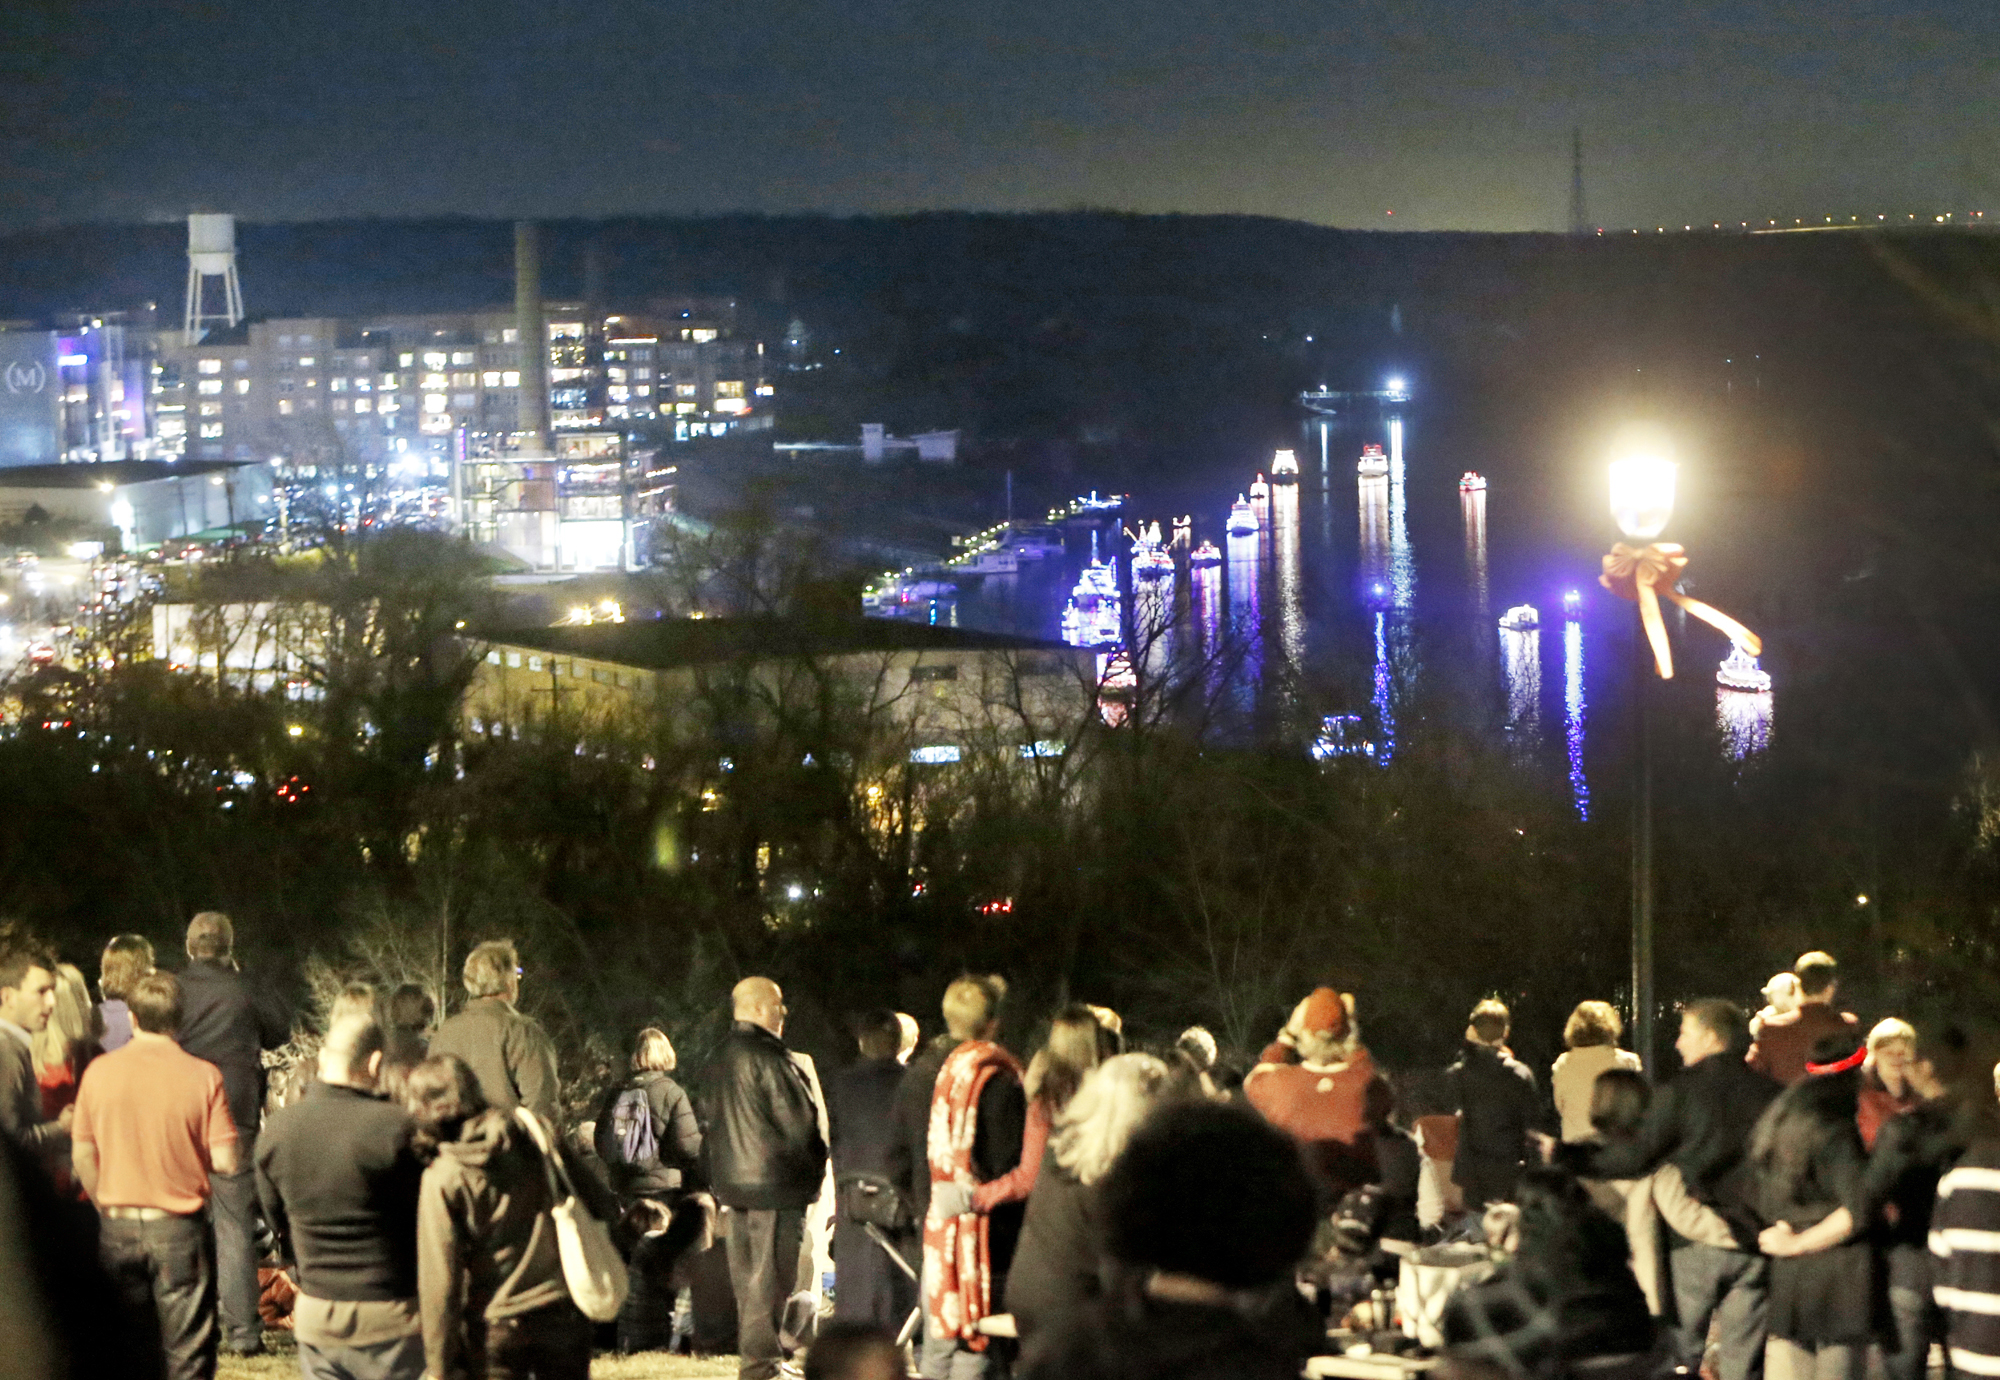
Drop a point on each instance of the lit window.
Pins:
(732, 407)
(729, 388)
(362, 385)
(514, 659)
(211, 409)
(434, 381)
(209, 386)
(491, 378)
(684, 407)
(616, 375)
(433, 359)
(493, 658)
(464, 357)
(933, 756)
(534, 663)
(510, 335)
(364, 404)
(210, 366)
(464, 380)
(388, 380)
(510, 378)
(388, 405)
(644, 390)
(284, 407)
(642, 373)
(701, 335)
(305, 361)
(765, 390)
(684, 390)
(433, 402)
(210, 430)
(406, 359)
(243, 385)
(337, 385)
(619, 392)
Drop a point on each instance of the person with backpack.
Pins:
(650, 1142)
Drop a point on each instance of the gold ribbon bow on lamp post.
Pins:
(1647, 574)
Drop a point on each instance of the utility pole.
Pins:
(1579, 217)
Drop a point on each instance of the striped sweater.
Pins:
(1965, 1241)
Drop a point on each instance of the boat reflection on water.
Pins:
(1246, 624)
(1521, 660)
(1384, 697)
(1573, 704)
(1285, 557)
(1743, 705)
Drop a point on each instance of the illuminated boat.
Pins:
(1150, 559)
(1034, 543)
(1207, 554)
(1521, 618)
(991, 560)
(900, 589)
(1472, 482)
(1242, 518)
(1740, 671)
(1094, 616)
(1183, 533)
(1572, 604)
(1373, 463)
(1341, 735)
(1260, 490)
(1285, 468)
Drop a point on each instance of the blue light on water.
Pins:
(1573, 711)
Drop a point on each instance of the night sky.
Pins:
(1451, 113)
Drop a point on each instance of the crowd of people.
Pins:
(1802, 1192)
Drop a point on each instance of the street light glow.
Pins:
(1642, 483)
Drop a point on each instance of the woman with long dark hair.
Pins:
(1076, 1045)
(1825, 1304)
(490, 1279)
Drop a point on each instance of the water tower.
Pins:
(212, 254)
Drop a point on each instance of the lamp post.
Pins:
(1642, 501)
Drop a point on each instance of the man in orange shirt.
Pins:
(1322, 1100)
(152, 1123)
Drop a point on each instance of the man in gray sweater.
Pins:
(510, 1054)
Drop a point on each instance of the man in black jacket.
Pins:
(1701, 1123)
(228, 1023)
(1497, 1106)
(339, 1182)
(766, 1164)
(861, 1102)
(27, 997)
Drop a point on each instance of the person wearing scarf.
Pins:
(978, 1112)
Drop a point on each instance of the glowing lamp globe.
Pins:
(1642, 492)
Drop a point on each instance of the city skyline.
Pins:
(1420, 115)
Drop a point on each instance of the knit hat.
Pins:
(1324, 1011)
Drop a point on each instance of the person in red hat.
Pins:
(1321, 1101)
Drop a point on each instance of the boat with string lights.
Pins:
(1740, 671)
(1373, 463)
(1242, 518)
(1095, 615)
(1472, 482)
(1205, 555)
(1150, 559)
(1285, 468)
(1521, 618)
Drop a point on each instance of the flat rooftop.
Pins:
(117, 473)
(664, 643)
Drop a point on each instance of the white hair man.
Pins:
(510, 1054)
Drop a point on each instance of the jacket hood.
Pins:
(480, 1139)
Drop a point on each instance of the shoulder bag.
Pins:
(590, 1263)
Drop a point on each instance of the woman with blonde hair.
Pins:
(1591, 1033)
(66, 1043)
(1076, 1044)
(1059, 1261)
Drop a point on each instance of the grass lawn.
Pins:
(656, 1365)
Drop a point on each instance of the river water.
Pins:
(1366, 605)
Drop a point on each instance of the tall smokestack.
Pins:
(534, 333)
